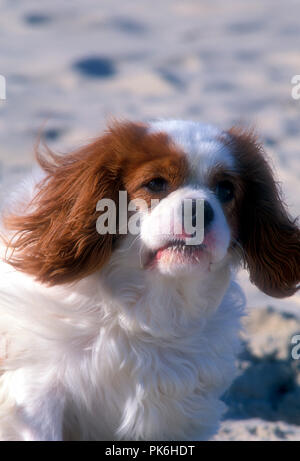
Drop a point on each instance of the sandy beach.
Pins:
(72, 66)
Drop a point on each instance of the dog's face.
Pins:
(206, 179)
(178, 165)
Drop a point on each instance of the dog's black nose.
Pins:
(208, 214)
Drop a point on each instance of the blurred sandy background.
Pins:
(75, 64)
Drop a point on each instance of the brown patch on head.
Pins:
(269, 236)
(156, 158)
(56, 239)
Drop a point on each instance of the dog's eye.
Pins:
(157, 185)
(225, 191)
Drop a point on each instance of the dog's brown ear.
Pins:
(56, 240)
(269, 236)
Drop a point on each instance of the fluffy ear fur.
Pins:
(56, 239)
(270, 238)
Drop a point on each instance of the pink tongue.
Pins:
(159, 254)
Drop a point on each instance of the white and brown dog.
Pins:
(122, 337)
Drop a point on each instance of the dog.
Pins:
(122, 336)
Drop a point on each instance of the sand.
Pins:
(71, 66)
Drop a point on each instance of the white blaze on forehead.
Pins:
(200, 142)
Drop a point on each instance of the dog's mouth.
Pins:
(175, 251)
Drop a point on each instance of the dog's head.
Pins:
(202, 197)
